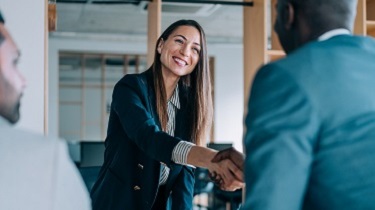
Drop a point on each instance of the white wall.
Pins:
(228, 81)
(228, 93)
(25, 21)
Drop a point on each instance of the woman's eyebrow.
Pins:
(186, 39)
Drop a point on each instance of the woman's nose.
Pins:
(184, 51)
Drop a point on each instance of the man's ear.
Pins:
(289, 15)
(160, 45)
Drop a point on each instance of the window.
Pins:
(86, 82)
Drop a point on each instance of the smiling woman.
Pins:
(158, 122)
(180, 50)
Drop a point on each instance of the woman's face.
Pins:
(179, 54)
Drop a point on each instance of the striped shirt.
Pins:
(182, 149)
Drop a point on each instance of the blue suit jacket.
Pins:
(135, 146)
(310, 139)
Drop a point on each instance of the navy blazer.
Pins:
(135, 147)
(310, 138)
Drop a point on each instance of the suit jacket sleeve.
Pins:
(281, 132)
(69, 189)
(131, 104)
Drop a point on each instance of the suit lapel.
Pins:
(182, 128)
(151, 97)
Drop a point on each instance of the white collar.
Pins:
(332, 33)
(175, 99)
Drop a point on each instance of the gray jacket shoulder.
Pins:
(38, 172)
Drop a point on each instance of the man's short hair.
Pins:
(323, 12)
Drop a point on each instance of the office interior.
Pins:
(94, 43)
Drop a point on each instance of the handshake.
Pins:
(226, 169)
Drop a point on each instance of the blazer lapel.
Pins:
(182, 118)
(151, 96)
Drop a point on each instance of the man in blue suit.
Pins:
(310, 140)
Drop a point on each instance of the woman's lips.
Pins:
(179, 61)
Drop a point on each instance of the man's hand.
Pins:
(233, 161)
(235, 156)
(230, 176)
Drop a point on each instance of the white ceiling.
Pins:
(224, 25)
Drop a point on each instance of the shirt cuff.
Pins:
(180, 153)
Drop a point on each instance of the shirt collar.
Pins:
(4, 122)
(332, 33)
(175, 99)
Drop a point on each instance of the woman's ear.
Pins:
(160, 45)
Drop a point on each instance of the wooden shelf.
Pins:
(370, 28)
(370, 7)
(275, 54)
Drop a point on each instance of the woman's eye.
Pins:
(196, 50)
(179, 41)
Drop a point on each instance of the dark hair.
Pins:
(198, 81)
(2, 38)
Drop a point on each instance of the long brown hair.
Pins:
(200, 87)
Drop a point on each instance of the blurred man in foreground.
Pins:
(35, 172)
